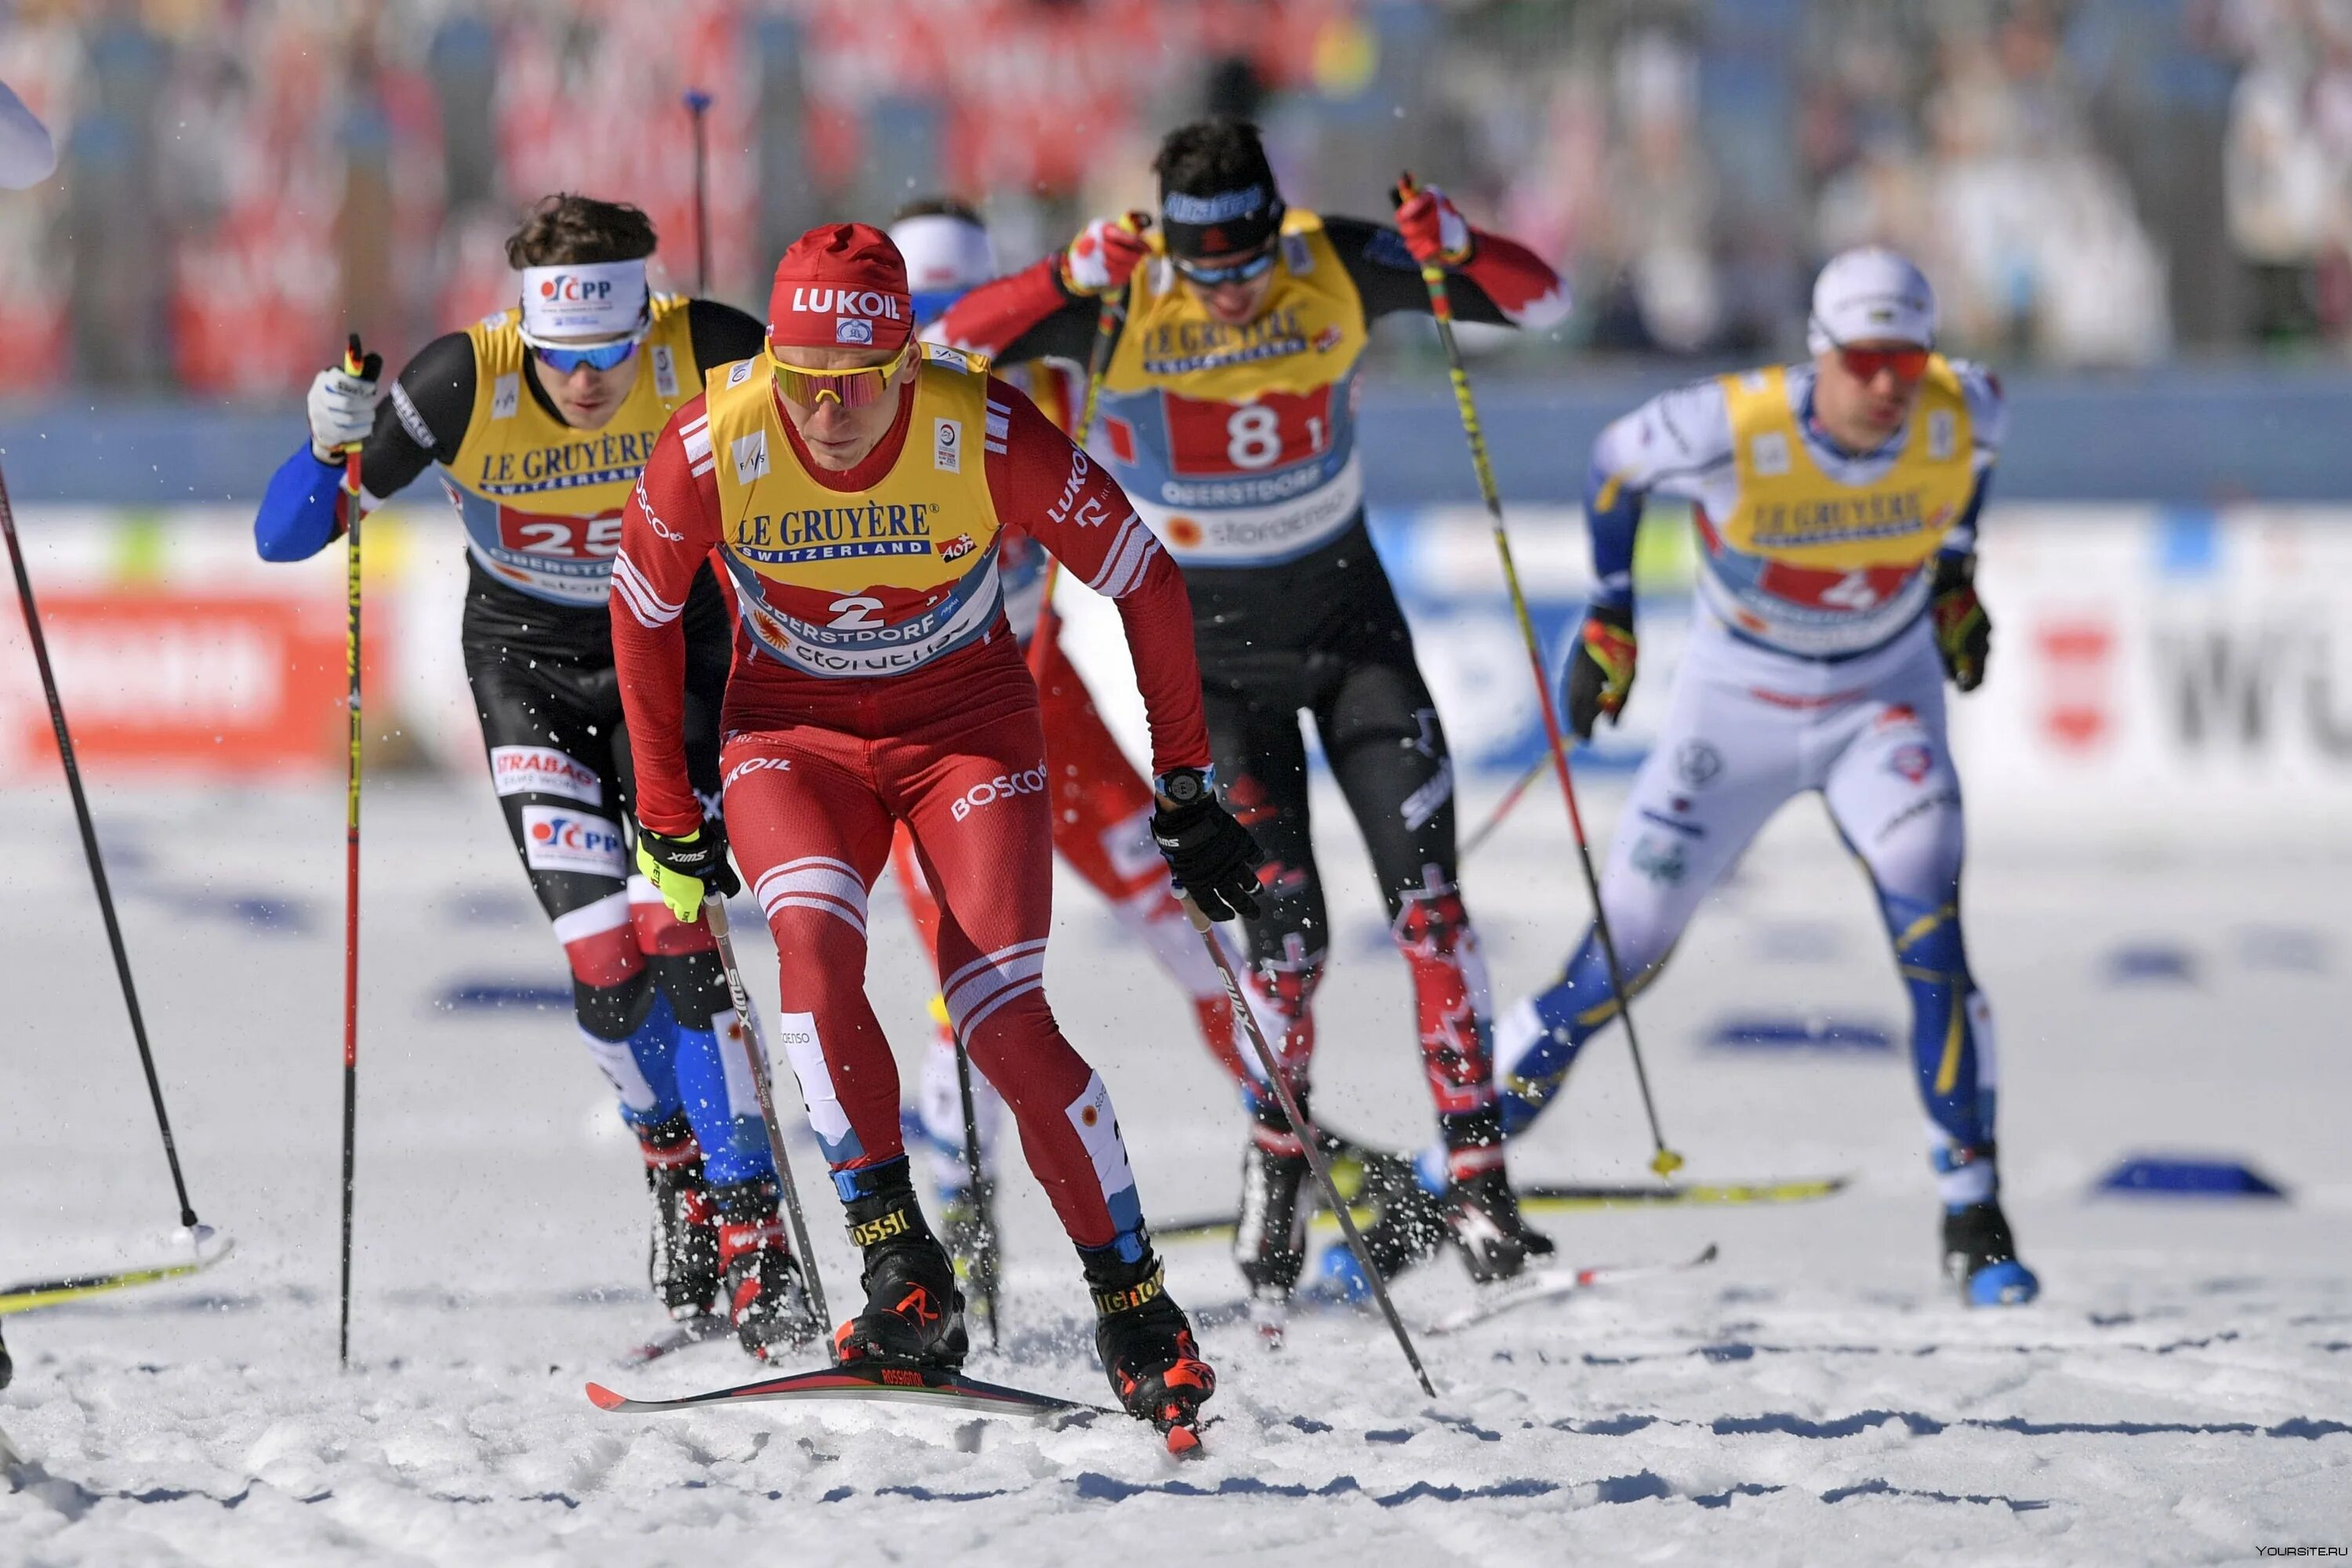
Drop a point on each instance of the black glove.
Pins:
(1963, 630)
(681, 868)
(1210, 856)
(1599, 668)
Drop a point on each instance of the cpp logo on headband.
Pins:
(570, 288)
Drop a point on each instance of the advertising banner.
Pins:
(2149, 665)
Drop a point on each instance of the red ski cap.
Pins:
(840, 285)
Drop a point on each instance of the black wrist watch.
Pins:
(1180, 787)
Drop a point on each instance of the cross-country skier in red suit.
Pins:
(856, 484)
(1228, 412)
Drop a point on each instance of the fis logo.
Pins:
(1001, 787)
(564, 286)
(854, 330)
(558, 839)
(959, 547)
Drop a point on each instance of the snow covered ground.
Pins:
(2181, 1393)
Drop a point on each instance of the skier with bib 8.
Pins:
(1835, 504)
(856, 485)
(1228, 412)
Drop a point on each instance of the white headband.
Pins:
(587, 302)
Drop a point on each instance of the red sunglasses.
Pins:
(1864, 364)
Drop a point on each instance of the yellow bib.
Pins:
(1237, 445)
(541, 502)
(1790, 511)
(1309, 334)
(870, 582)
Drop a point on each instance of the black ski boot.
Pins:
(914, 1313)
(968, 1214)
(767, 1300)
(1981, 1257)
(1270, 1236)
(1146, 1343)
(1482, 1216)
(682, 1258)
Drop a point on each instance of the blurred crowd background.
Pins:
(2090, 183)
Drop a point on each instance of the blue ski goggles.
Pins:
(1231, 273)
(603, 357)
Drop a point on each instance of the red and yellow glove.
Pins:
(1105, 254)
(1435, 229)
(1600, 670)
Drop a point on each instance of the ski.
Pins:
(1538, 1286)
(698, 1329)
(1565, 1200)
(36, 1293)
(927, 1386)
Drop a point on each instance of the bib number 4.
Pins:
(1853, 591)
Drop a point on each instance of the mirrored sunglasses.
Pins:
(850, 388)
(603, 357)
(1216, 276)
(1864, 364)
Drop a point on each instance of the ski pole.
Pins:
(697, 104)
(1666, 1161)
(979, 1190)
(1308, 1140)
(755, 1047)
(352, 366)
(1106, 324)
(97, 862)
(1503, 809)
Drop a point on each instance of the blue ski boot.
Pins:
(1981, 1257)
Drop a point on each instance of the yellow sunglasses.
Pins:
(850, 388)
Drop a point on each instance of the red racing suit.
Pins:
(875, 682)
(1101, 805)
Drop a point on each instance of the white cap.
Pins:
(1871, 294)
(945, 253)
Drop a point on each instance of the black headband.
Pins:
(1222, 223)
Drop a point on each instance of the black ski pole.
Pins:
(355, 363)
(1666, 1161)
(89, 852)
(698, 103)
(980, 1195)
(1309, 1140)
(755, 1052)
